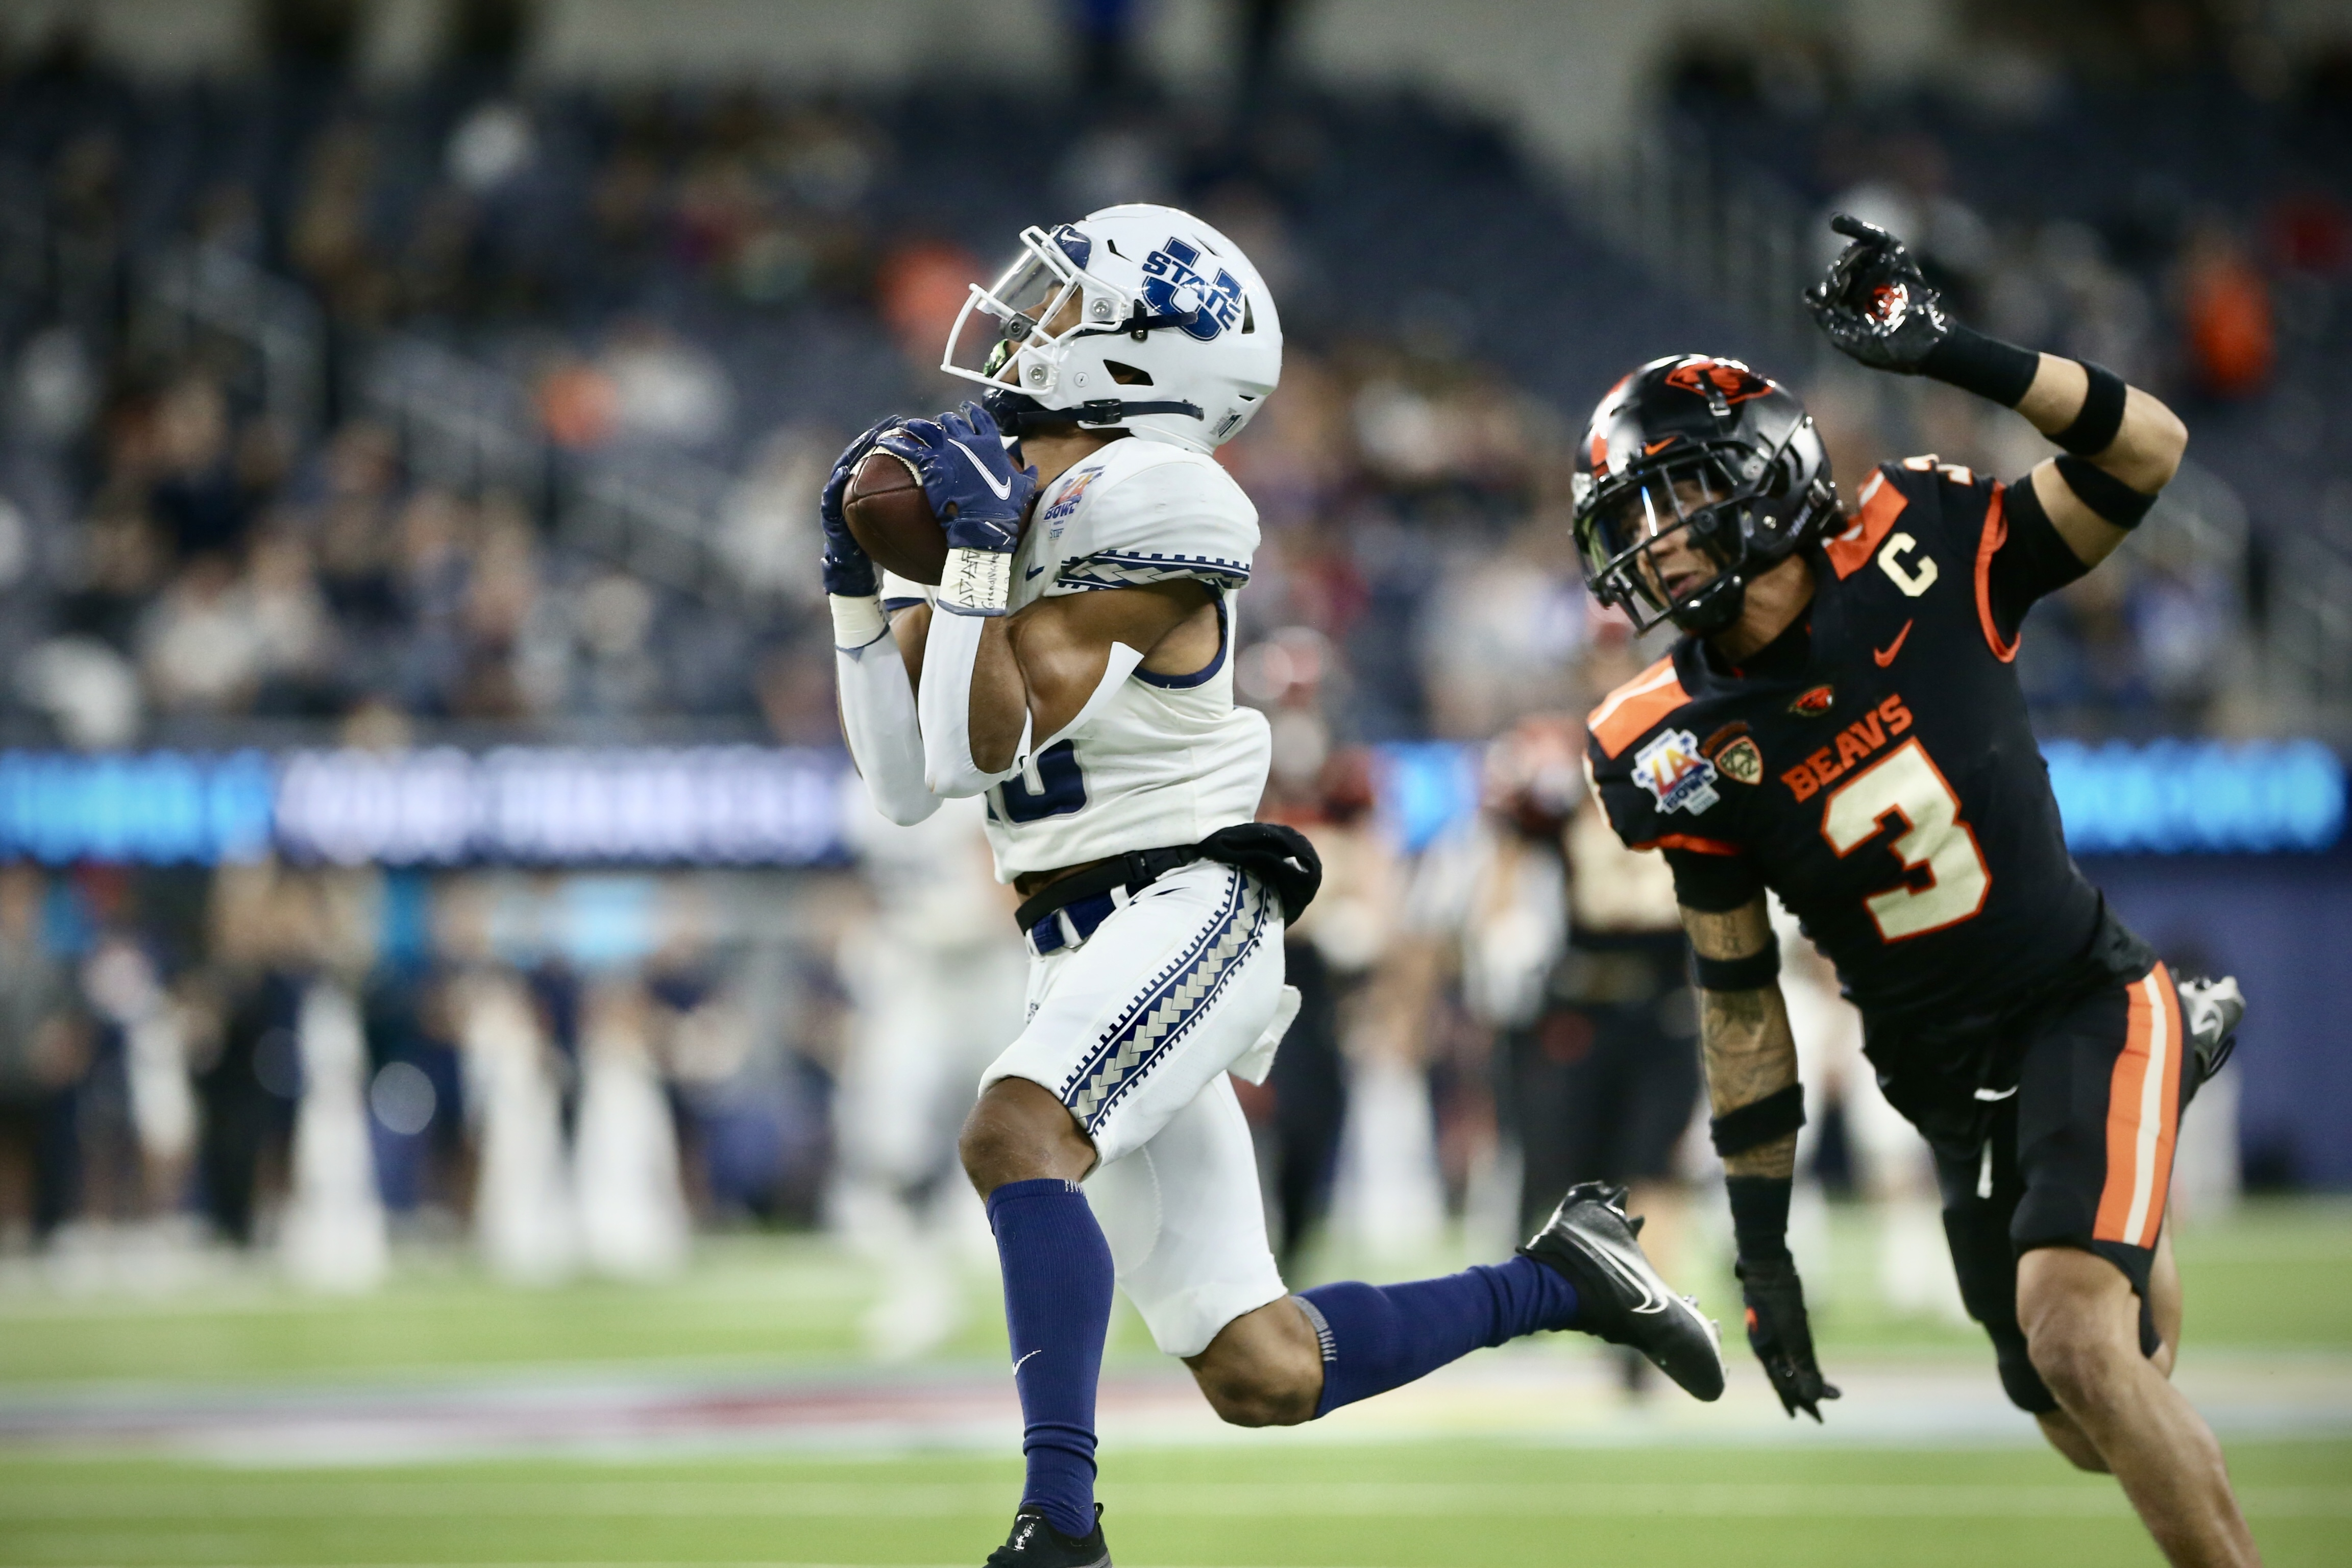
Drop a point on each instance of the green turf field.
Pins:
(1406, 1505)
(2272, 1286)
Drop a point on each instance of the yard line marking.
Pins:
(805, 1499)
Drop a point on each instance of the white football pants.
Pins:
(1134, 1029)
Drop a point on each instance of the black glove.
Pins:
(1875, 305)
(1780, 1336)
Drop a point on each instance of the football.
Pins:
(890, 519)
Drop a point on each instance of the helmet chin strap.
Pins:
(1714, 607)
(1017, 414)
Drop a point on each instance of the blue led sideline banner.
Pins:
(695, 805)
(750, 805)
(2169, 797)
(155, 808)
(2158, 797)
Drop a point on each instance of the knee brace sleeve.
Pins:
(2018, 1379)
(1985, 1263)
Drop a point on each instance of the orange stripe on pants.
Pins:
(2142, 1114)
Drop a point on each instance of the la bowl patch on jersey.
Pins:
(1057, 516)
(1672, 769)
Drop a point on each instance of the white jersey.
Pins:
(1169, 759)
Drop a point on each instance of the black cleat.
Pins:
(2209, 1011)
(1036, 1543)
(1620, 1296)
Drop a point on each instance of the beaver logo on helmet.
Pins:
(1724, 379)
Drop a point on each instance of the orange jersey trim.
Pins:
(1632, 708)
(1996, 534)
(1882, 503)
(1692, 842)
(2143, 1115)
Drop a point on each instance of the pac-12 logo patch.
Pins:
(1174, 286)
(1672, 768)
(1733, 752)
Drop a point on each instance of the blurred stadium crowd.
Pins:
(476, 408)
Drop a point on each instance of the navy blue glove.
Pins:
(848, 570)
(968, 476)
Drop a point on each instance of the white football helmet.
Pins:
(1136, 318)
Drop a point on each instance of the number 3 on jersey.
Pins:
(1905, 783)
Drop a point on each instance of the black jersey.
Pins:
(1875, 766)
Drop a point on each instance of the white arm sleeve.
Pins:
(949, 655)
(877, 713)
(954, 647)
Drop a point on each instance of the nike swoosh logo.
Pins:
(1650, 1301)
(1025, 1361)
(1031, 573)
(1651, 449)
(1002, 491)
(1885, 655)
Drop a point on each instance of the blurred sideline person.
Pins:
(266, 930)
(1329, 956)
(1490, 899)
(1570, 950)
(634, 1222)
(1488, 921)
(125, 988)
(523, 1211)
(1618, 1048)
(1074, 667)
(935, 980)
(1841, 723)
(44, 1053)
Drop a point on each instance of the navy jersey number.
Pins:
(1064, 787)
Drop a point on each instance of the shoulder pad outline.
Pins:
(1636, 708)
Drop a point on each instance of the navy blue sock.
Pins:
(1057, 1284)
(1378, 1337)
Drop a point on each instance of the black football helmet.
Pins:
(1707, 445)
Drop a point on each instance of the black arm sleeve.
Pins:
(1713, 884)
(2034, 559)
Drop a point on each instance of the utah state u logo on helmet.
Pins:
(1173, 287)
